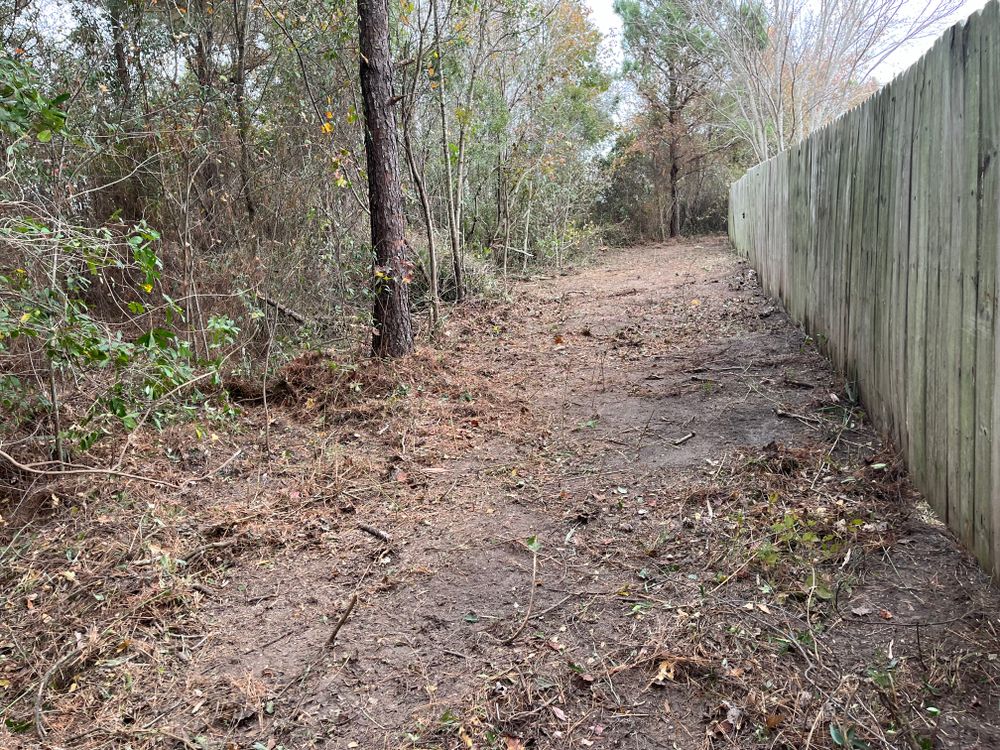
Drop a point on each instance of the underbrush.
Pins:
(105, 578)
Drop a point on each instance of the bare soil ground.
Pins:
(634, 508)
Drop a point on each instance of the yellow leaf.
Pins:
(665, 671)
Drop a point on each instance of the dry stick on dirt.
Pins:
(340, 623)
(802, 418)
(196, 552)
(377, 533)
(300, 678)
(30, 469)
(531, 599)
(642, 435)
(40, 729)
(216, 470)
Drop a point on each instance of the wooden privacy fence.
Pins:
(880, 234)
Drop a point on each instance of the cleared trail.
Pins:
(719, 549)
(635, 509)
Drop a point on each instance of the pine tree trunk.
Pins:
(393, 329)
(453, 228)
(675, 198)
(416, 172)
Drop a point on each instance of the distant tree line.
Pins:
(724, 84)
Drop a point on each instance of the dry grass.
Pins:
(103, 579)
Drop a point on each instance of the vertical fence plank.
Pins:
(965, 237)
(987, 523)
(916, 328)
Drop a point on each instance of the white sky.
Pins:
(605, 18)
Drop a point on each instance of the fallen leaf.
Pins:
(734, 716)
(513, 743)
(559, 713)
(665, 671)
(861, 611)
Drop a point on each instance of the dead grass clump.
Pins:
(805, 649)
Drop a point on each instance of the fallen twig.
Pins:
(700, 379)
(375, 532)
(217, 469)
(800, 417)
(531, 600)
(43, 683)
(342, 620)
(30, 469)
(798, 383)
(282, 308)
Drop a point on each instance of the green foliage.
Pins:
(24, 109)
(847, 738)
(51, 315)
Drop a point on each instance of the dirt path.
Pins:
(635, 509)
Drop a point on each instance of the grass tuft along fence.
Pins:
(880, 234)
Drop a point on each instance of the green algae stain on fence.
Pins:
(880, 234)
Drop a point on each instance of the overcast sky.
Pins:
(610, 24)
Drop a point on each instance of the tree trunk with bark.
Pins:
(453, 229)
(393, 329)
(673, 118)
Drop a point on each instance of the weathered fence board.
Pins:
(880, 234)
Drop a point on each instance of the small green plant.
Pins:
(847, 738)
(882, 673)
